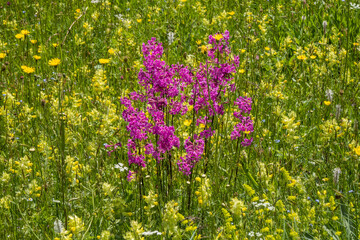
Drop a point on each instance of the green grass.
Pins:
(54, 122)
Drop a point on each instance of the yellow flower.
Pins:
(111, 51)
(357, 150)
(104, 61)
(33, 41)
(36, 57)
(218, 37)
(241, 71)
(2, 55)
(55, 45)
(302, 57)
(139, 20)
(198, 42)
(187, 122)
(18, 36)
(294, 234)
(27, 70)
(203, 49)
(25, 32)
(198, 179)
(312, 56)
(249, 190)
(54, 62)
(327, 103)
(231, 13)
(291, 198)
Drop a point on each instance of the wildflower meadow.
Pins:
(179, 119)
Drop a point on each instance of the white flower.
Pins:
(151, 233)
(271, 208)
(337, 172)
(329, 94)
(354, 6)
(118, 165)
(58, 226)
(121, 167)
(324, 25)
(171, 37)
(119, 16)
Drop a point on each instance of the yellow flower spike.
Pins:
(291, 198)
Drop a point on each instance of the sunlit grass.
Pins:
(65, 65)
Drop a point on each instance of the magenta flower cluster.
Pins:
(167, 91)
(245, 126)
